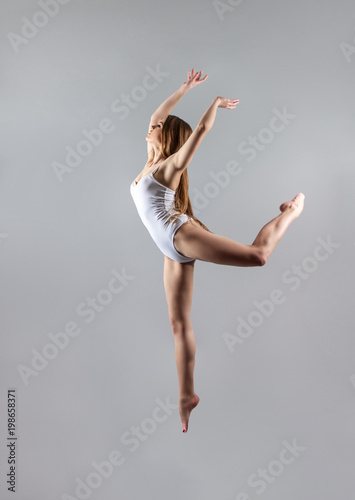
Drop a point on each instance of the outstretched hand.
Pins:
(223, 102)
(193, 79)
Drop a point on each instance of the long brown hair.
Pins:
(175, 133)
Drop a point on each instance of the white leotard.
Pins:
(155, 203)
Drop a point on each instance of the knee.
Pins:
(180, 326)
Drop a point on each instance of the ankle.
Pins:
(186, 396)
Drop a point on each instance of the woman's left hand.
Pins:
(193, 79)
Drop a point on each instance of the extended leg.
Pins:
(272, 232)
(195, 242)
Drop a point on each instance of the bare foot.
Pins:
(186, 405)
(296, 205)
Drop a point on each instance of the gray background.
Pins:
(292, 378)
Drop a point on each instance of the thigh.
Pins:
(178, 284)
(197, 243)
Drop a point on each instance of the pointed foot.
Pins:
(186, 405)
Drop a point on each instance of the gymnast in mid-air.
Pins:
(160, 193)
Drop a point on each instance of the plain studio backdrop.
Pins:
(86, 343)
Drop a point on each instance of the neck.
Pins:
(157, 159)
(157, 154)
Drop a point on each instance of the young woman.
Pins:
(160, 193)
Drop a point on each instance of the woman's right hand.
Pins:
(223, 102)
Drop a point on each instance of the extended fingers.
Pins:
(198, 75)
(195, 77)
(231, 103)
(192, 74)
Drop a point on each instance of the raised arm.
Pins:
(164, 110)
(183, 157)
(169, 104)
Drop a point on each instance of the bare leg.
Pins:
(272, 232)
(195, 242)
(178, 283)
(185, 349)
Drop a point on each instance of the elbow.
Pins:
(155, 117)
(203, 128)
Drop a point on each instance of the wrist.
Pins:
(184, 88)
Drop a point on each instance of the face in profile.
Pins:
(154, 134)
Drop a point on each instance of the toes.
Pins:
(299, 198)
